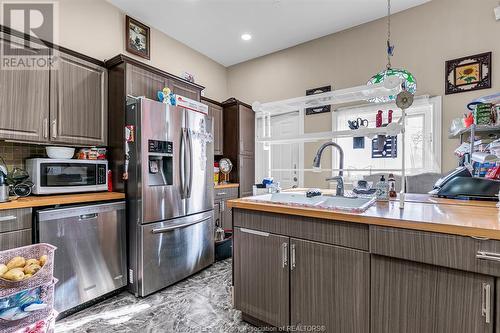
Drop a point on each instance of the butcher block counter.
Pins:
(433, 266)
(61, 199)
(421, 212)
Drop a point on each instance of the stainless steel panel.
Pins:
(91, 257)
(155, 121)
(175, 249)
(200, 191)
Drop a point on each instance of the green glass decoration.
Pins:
(409, 83)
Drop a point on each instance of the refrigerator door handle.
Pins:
(178, 226)
(190, 181)
(183, 163)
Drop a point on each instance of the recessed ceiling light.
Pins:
(246, 36)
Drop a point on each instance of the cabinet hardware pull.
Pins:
(284, 255)
(292, 256)
(54, 129)
(221, 193)
(254, 232)
(8, 218)
(486, 302)
(480, 238)
(222, 206)
(88, 216)
(484, 255)
(45, 128)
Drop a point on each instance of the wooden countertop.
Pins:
(421, 212)
(223, 186)
(50, 200)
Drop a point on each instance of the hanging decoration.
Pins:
(409, 83)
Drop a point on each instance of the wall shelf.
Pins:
(479, 128)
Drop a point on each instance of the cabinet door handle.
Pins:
(8, 218)
(491, 256)
(284, 255)
(222, 206)
(221, 193)
(292, 257)
(254, 232)
(486, 303)
(45, 128)
(54, 128)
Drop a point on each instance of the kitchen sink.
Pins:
(347, 203)
(354, 204)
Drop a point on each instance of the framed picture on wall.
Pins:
(320, 109)
(468, 73)
(137, 38)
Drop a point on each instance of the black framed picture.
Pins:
(137, 37)
(320, 109)
(468, 73)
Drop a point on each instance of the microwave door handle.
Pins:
(190, 181)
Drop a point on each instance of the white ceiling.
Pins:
(214, 27)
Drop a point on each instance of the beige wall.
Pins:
(97, 28)
(425, 37)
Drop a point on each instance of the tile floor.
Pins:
(201, 303)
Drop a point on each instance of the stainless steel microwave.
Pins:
(53, 176)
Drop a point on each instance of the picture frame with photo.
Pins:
(137, 38)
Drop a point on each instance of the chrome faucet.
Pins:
(339, 178)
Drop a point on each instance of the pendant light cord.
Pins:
(390, 48)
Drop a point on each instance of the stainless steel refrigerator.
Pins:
(169, 194)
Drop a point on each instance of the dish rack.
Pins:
(34, 295)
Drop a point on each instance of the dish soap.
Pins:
(382, 188)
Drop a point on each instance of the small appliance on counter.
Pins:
(459, 184)
(53, 176)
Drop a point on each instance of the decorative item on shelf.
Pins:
(188, 77)
(166, 96)
(468, 73)
(408, 84)
(359, 141)
(60, 152)
(225, 166)
(320, 109)
(137, 38)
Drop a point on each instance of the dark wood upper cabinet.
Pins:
(24, 99)
(261, 276)
(215, 111)
(141, 82)
(239, 143)
(184, 89)
(79, 102)
(412, 298)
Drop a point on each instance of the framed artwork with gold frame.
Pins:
(468, 73)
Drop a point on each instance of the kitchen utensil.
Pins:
(17, 175)
(359, 122)
(219, 232)
(4, 187)
(23, 189)
(60, 152)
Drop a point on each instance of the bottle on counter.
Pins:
(392, 186)
(216, 173)
(382, 188)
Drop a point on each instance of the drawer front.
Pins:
(353, 235)
(459, 252)
(15, 219)
(225, 194)
(10, 240)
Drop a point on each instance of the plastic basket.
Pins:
(15, 305)
(43, 276)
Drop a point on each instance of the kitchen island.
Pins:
(433, 266)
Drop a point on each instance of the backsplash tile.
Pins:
(15, 154)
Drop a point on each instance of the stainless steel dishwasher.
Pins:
(90, 260)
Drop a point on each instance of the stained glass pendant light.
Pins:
(409, 83)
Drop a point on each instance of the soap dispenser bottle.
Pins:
(382, 188)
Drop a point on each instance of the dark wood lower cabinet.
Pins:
(329, 287)
(408, 297)
(261, 276)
